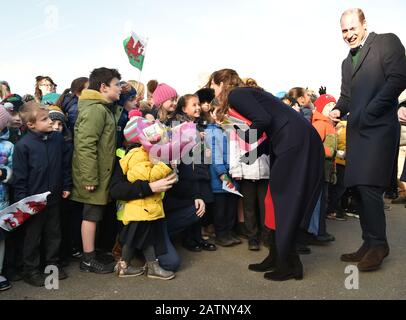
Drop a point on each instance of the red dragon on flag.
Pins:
(134, 47)
(15, 215)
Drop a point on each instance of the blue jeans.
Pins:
(174, 223)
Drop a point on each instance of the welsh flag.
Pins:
(15, 215)
(134, 47)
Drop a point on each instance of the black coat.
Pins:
(297, 159)
(370, 93)
(194, 183)
(121, 189)
(41, 163)
(70, 107)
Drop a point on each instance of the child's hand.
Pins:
(163, 185)
(154, 139)
(65, 194)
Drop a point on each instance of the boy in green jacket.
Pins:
(94, 156)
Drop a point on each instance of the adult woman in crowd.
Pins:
(296, 169)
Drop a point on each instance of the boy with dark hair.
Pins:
(94, 156)
(41, 163)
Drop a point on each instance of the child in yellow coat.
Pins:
(143, 218)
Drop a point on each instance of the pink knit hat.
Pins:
(4, 118)
(163, 93)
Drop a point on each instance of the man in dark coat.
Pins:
(373, 76)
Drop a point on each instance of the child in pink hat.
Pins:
(165, 98)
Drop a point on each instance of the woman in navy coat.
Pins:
(296, 172)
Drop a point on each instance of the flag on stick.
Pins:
(15, 215)
(134, 47)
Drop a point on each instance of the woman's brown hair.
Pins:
(76, 88)
(230, 80)
(297, 92)
(38, 92)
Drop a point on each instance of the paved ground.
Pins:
(224, 275)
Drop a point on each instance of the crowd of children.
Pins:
(84, 147)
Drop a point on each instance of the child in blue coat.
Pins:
(225, 203)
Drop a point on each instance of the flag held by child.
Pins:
(15, 215)
(134, 47)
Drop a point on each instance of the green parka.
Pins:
(94, 148)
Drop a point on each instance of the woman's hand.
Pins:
(200, 207)
(164, 185)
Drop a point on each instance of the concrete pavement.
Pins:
(223, 275)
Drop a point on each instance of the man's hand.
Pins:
(164, 185)
(200, 207)
(65, 194)
(90, 188)
(335, 115)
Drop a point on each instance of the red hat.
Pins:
(324, 100)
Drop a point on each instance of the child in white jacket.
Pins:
(254, 181)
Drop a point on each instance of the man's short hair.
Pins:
(357, 11)
(102, 75)
(30, 110)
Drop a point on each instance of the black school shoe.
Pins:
(208, 246)
(62, 275)
(192, 247)
(35, 279)
(253, 245)
(203, 245)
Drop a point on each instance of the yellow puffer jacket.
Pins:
(137, 166)
(341, 130)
